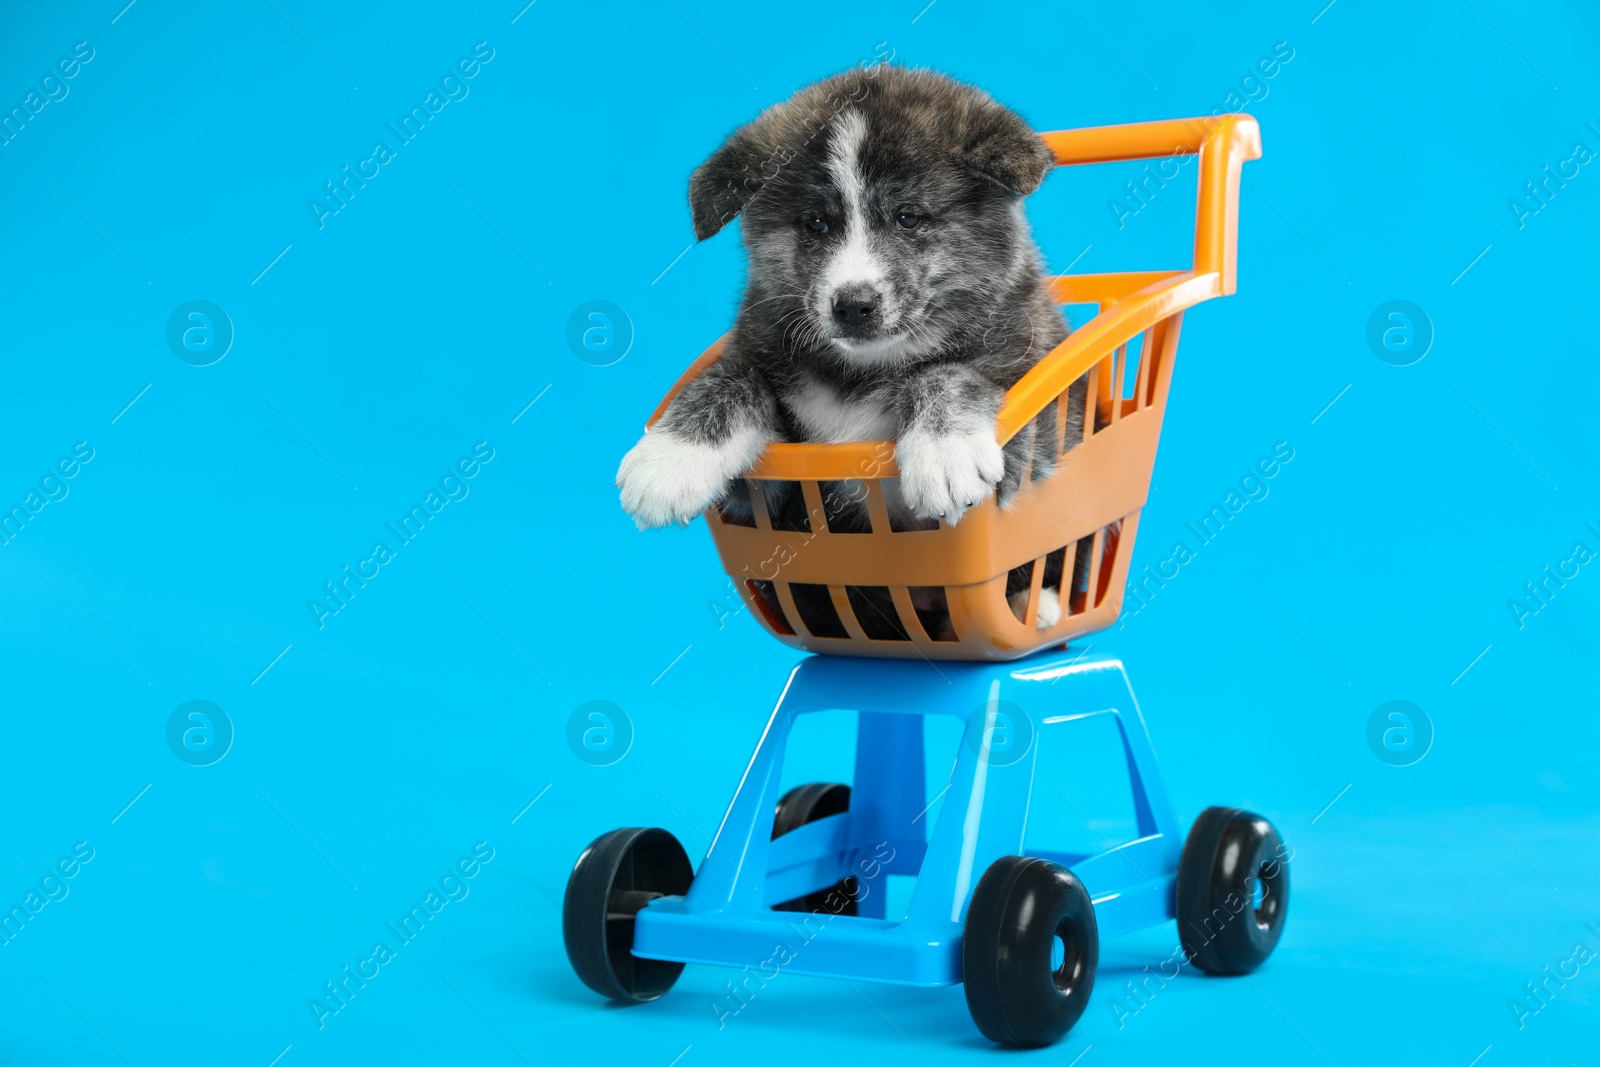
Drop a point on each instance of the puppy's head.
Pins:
(881, 209)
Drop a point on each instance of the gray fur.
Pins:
(960, 287)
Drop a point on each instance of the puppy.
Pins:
(894, 292)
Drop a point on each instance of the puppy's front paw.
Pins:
(666, 478)
(942, 475)
(1049, 606)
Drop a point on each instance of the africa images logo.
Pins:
(452, 887)
(452, 487)
(452, 88)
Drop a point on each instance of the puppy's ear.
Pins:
(720, 187)
(1002, 148)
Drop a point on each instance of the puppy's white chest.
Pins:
(826, 416)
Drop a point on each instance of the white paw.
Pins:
(1049, 608)
(667, 479)
(942, 475)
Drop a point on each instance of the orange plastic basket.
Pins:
(1093, 499)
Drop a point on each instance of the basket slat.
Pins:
(816, 515)
(1096, 550)
(792, 613)
(758, 507)
(1030, 616)
(913, 624)
(847, 613)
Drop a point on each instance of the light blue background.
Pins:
(429, 312)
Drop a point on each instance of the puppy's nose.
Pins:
(855, 305)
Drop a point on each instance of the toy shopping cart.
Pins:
(1018, 924)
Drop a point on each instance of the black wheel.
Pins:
(617, 875)
(1233, 891)
(808, 803)
(1029, 953)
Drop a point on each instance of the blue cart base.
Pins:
(726, 918)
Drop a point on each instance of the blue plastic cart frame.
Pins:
(726, 918)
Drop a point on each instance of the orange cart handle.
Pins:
(1223, 142)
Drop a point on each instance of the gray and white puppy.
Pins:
(894, 292)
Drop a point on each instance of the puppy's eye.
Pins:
(817, 224)
(907, 221)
